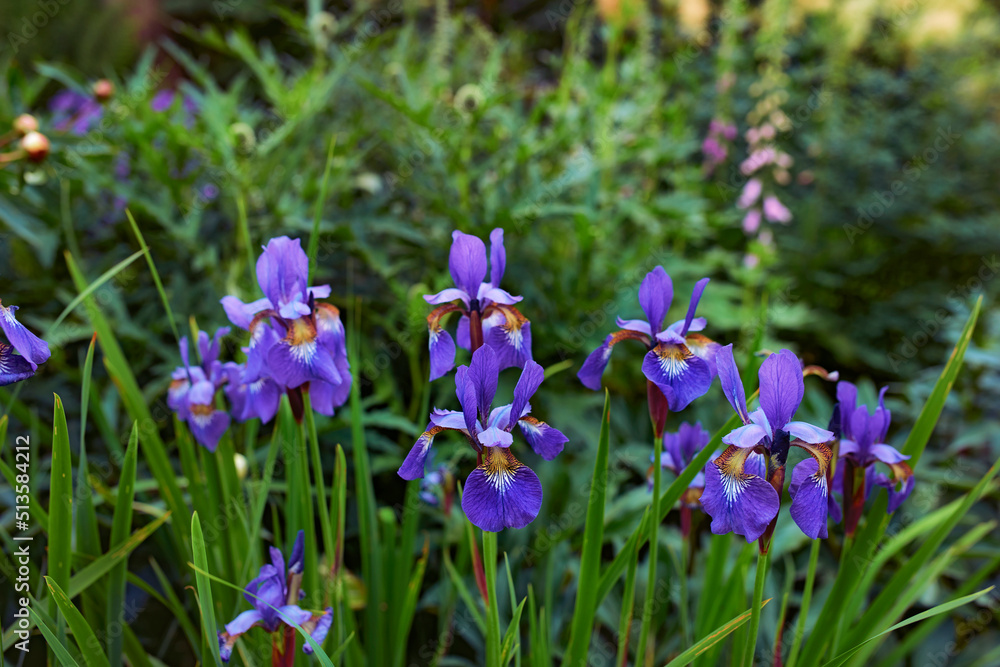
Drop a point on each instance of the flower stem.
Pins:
(492, 610)
(800, 625)
(758, 595)
(317, 464)
(654, 526)
(475, 328)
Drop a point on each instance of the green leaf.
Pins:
(90, 289)
(318, 212)
(60, 502)
(54, 643)
(83, 634)
(713, 638)
(590, 559)
(924, 426)
(930, 613)
(121, 524)
(492, 604)
(88, 539)
(84, 578)
(153, 448)
(156, 274)
(202, 579)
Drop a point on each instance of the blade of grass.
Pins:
(318, 212)
(901, 580)
(154, 272)
(463, 592)
(153, 449)
(205, 602)
(582, 625)
(409, 607)
(60, 503)
(758, 595)
(628, 609)
(88, 539)
(702, 645)
(667, 501)
(54, 643)
(326, 526)
(929, 414)
(83, 634)
(930, 613)
(90, 289)
(870, 537)
(647, 627)
(120, 525)
(800, 624)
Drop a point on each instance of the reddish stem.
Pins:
(658, 408)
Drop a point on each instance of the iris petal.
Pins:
(810, 498)
(467, 261)
(781, 387)
(501, 493)
(738, 502)
(28, 345)
(676, 367)
(14, 367)
(413, 464)
(732, 385)
(547, 441)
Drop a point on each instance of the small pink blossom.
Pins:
(751, 221)
(775, 211)
(751, 192)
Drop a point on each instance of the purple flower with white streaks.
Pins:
(30, 349)
(192, 392)
(679, 449)
(862, 446)
(275, 594)
(481, 304)
(743, 484)
(294, 339)
(501, 492)
(680, 362)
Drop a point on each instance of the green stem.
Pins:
(654, 526)
(317, 463)
(306, 517)
(758, 595)
(492, 610)
(800, 625)
(682, 573)
(844, 550)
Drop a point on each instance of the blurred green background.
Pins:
(578, 128)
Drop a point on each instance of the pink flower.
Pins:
(751, 261)
(775, 211)
(751, 221)
(751, 192)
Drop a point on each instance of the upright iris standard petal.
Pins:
(738, 501)
(699, 289)
(467, 262)
(283, 271)
(501, 492)
(483, 375)
(781, 387)
(498, 257)
(655, 295)
(732, 385)
(527, 385)
(28, 345)
(13, 367)
(242, 314)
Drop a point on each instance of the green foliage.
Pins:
(372, 138)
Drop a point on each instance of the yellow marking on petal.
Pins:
(435, 316)
(500, 467)
(673, 358)
(821, 453)
(202, 410)
(730, 464)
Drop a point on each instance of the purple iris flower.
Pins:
(680, 362)
(254, 399)
(31, 350)
(678, 451)
(482, 304)
(75, 112)
(294, 339)
(862, 445)
(501, 492)
(743, 484)
(274, 594)
(192, 392)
